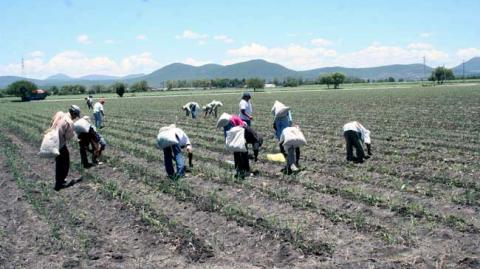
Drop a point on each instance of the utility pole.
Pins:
(424, 76)
(22, 74)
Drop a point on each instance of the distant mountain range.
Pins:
(248, 69)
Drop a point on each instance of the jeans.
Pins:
(194, 113)
(170, 153)
(290, 156)
(248, 122)
(62, 166)
(98, 119)
(352, 139)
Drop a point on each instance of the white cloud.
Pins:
(141, 37)
(422, 46)
(320, 42)
(305, 57)
(294, 56)
(468, 53)
(192, 61)
(138, 63)
(37, 54)
(77, 64)
(223, 38)
(188, 34)
(83, 39)
(109, 41)
(426, 34)
(201, 42)
(376, 55)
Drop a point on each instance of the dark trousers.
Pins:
(353, 141)
(62, 165)
(242, 164)
(83, 151)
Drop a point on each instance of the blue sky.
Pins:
(124, 37)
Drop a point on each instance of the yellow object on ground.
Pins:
(276, 157)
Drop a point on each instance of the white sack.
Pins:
(167, 136)
(50, 147)
(235, 141)
(223, 120)
(82, 126)
(292, 136)
(280, 110)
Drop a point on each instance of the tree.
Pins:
(54, 90)
(337, 79)
(391, 79)
(255, 83)
(141, 86)
(119, 88)
(21, 88)
(292, 82)
(326, 80)
(99, 89)
(440, 74)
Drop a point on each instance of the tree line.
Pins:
(24, 88)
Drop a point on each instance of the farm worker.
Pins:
(63, 122)
(235, 120)
(175, 152)
(355, 135)
(212, 107)
(281, 122)
(98, 113)
(89, 102)
(88, 136)
(241, 159)
(191, 107)
(246, 109)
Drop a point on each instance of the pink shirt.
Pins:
(235, 120)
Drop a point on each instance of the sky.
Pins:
(113, 37)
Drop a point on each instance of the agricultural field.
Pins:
(414, 204)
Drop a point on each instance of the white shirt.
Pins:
(248, 109)
(182, 137)
(189, 104)
(97, 107)
(357, 127)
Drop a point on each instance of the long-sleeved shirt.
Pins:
(191, 105)
(182, 137)
(64, 124)
(357, 127)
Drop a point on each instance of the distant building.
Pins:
(268, 85)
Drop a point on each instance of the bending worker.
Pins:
(355, 135)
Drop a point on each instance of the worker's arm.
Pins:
(245, 113)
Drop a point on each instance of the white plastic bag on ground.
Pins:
(292, 136)
(82, 126)
(235, 141)
(50, 147)
(280, 110)
(167, 137)
(223, 120)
